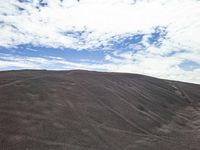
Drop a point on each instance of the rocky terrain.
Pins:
(84, 110)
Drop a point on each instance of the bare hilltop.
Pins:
(87, 110)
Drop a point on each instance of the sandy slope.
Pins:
(82, 110)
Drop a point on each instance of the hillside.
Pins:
(84, 110)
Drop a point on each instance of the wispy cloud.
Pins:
(89, 24)
(124, 62)
(153, 37)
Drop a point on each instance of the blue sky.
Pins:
(153, 37)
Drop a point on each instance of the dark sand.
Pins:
(82, 110)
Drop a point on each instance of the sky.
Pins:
(159, 38)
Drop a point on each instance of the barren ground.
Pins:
(82, 110)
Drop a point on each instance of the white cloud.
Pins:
(100, 19)
(88, 24)
(166, 69)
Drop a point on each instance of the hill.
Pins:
(84, 110)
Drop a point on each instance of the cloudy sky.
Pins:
(159, 38)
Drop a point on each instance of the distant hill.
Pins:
(84, 110)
